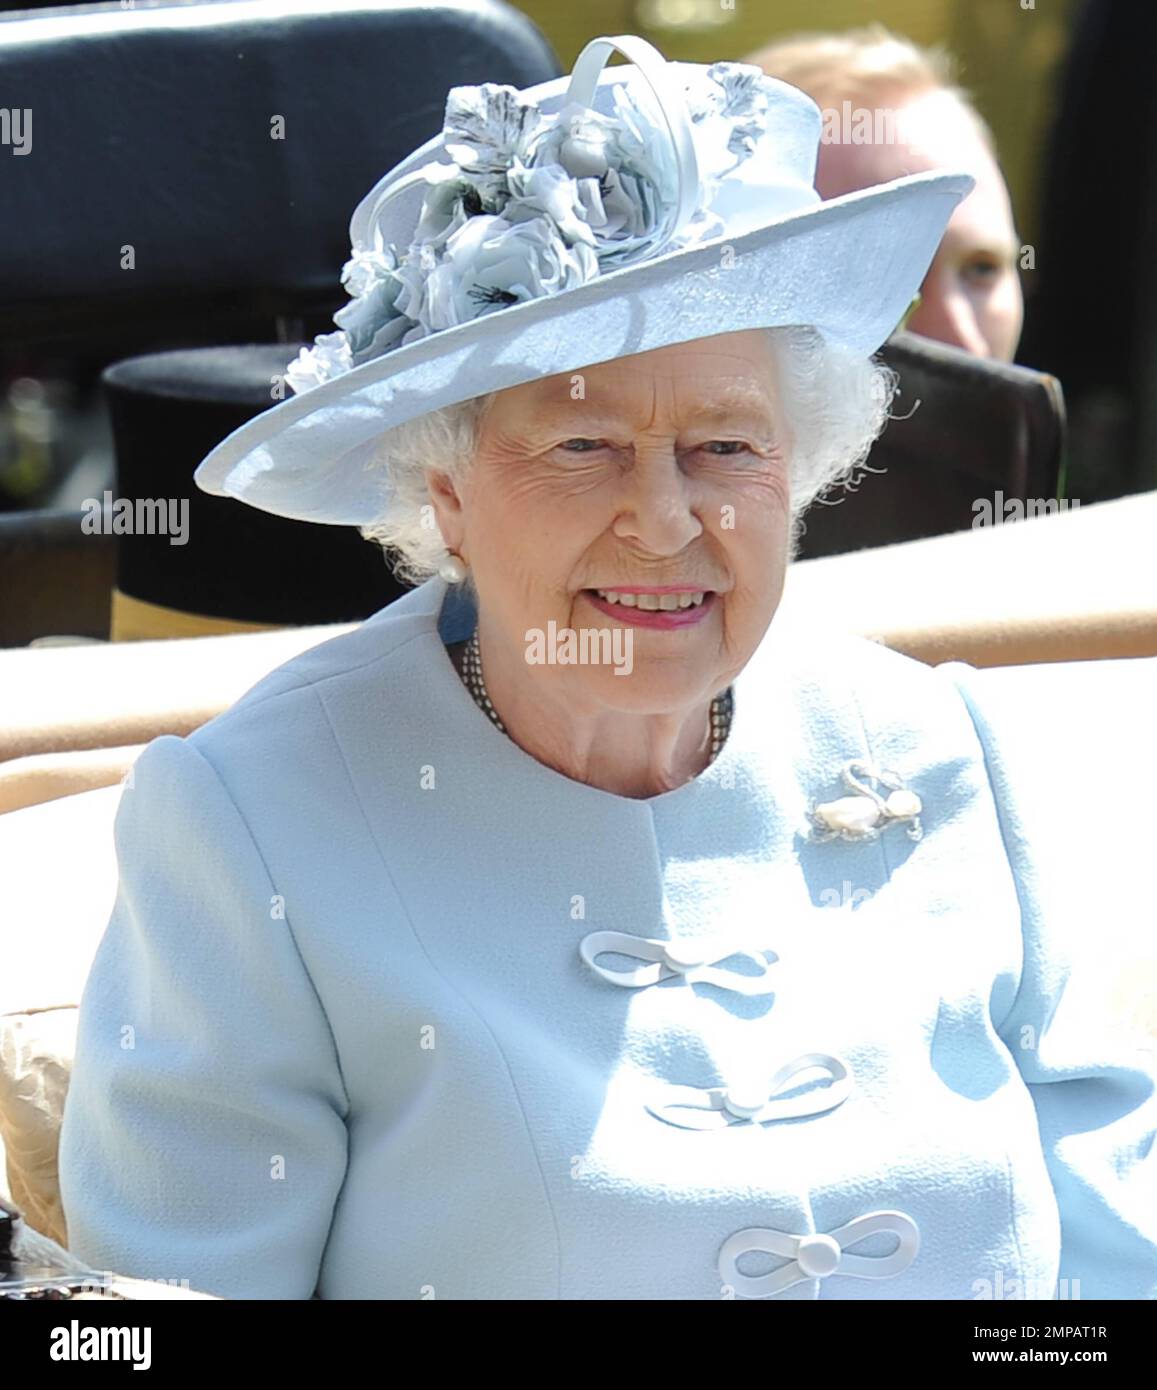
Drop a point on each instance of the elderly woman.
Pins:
(490, 951)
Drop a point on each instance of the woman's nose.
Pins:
(656, 506)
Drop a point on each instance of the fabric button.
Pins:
(743, 1104)
(686, 955)
(818, 1256)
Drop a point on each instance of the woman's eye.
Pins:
(581, 446)
(725, 446)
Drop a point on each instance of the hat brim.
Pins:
(848, 267)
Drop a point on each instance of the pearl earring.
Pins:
(453, 569)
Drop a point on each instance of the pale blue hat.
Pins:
(593, 217)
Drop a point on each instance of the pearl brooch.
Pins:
(867, 812)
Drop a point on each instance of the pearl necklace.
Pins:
(722, 706)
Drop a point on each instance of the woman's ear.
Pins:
(447, 504)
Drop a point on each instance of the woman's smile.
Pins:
(663, 608)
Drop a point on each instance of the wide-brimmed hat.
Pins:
(610, 213)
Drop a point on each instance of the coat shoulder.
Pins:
(282, 707)
(833, 677)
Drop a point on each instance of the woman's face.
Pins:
(660, 474)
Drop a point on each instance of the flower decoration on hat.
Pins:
(533, 204)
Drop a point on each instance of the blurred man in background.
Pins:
(971, 297)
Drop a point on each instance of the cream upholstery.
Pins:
(113, 695)
(44, 776)
(1069, 587)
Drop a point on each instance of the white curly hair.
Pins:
(835, 402)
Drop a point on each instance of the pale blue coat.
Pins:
(339, 1035)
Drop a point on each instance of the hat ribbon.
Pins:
(584, 79)
(655, 70)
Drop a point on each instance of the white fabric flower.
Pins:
(491, 263)
(451, 202)
(372, 324)
(371, 320)
(549, 190)
(631, 214)
(364, 269)
(626, 180)
(485, 130)
(329, 357)
(729, 108)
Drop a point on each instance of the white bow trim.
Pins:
(719, 1107)
(816, 1256)
(690, 957)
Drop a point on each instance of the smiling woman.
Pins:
(357, 1027)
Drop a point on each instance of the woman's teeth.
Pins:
(668, 602)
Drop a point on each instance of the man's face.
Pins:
(971, 296)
